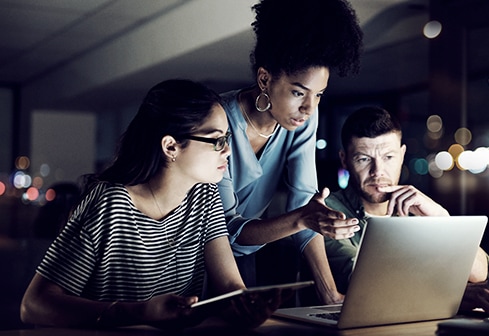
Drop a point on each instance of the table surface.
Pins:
(272, 326)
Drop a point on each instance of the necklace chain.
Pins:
(253, 126)
(168, 241)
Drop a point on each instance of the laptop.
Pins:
(407, 269)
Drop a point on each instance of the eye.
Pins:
(296, 93)
(362, 160)
(319, 95)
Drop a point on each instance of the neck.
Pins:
(262, 121)
(167, 192)
(376, 209)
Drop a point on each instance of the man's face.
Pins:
(372, 163)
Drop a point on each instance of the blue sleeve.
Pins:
(301, 179)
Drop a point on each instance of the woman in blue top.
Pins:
(274, 127)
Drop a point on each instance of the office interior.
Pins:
(72, 75)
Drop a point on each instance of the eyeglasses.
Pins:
(218, 143)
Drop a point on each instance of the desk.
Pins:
(272, 327)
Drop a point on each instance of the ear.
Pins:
(342, 155)
(170, 147)
(403, 150)
(263, 78)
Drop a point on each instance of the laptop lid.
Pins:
(407, 269)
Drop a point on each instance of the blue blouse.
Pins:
(249, 184)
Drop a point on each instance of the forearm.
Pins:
(315, 254)
(264, 231)
(70, 311)
(46, 303)
(479, 268)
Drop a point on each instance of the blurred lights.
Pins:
(44, 170)
(21, 180)
(32, 194)
(463, 136)
(434, 123)
(22, 162)
(343, 177)
(432, 29)
(50, 195)
(444, 160)
(3, 188)
(321, 144)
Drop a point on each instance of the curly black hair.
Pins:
(292, 36)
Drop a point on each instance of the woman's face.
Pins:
(295, 98)
(199, 161)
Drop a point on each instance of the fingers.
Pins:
(320, 196)
(186, 302)
(324, 193)
(341, 229)
(402, 199)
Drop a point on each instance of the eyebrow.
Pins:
(304, 87)
(210, 131)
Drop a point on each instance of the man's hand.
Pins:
(326, 221)
(407, 199)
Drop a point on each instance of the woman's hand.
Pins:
(252, 309)
(317, 216)
(170, 311)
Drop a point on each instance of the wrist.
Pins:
(105, 317)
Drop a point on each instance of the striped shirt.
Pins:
(109, 250)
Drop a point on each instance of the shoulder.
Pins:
(102, 193)
(229, 99)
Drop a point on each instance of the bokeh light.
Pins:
(22, 162)
(32, 194)
(432, 29)
(463, 136)
(455, 151)
(343, 177)
(434, 123)
(321, 144)
(444, 160)
(50, 195)
(3, 188)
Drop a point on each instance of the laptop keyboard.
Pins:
(327, 316)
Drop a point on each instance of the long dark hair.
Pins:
(174, 107)
(292, 36)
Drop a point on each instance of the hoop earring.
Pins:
(269, 103)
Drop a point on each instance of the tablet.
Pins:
(258, 289)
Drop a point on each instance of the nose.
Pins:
(226, 150)
(308, 105)
(376, 168)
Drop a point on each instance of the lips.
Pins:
(298, 122)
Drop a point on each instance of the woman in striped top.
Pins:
(136, 248)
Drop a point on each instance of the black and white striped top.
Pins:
(109, 250)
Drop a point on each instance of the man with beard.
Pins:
(373, 154)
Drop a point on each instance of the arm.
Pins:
(325, 284)
(479, 268)
(46, 303)
(315, 215)
(224, 277)
(407, 199)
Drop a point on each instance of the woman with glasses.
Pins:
(274, 122)
(136, 247)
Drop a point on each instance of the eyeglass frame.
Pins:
(214, 141)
